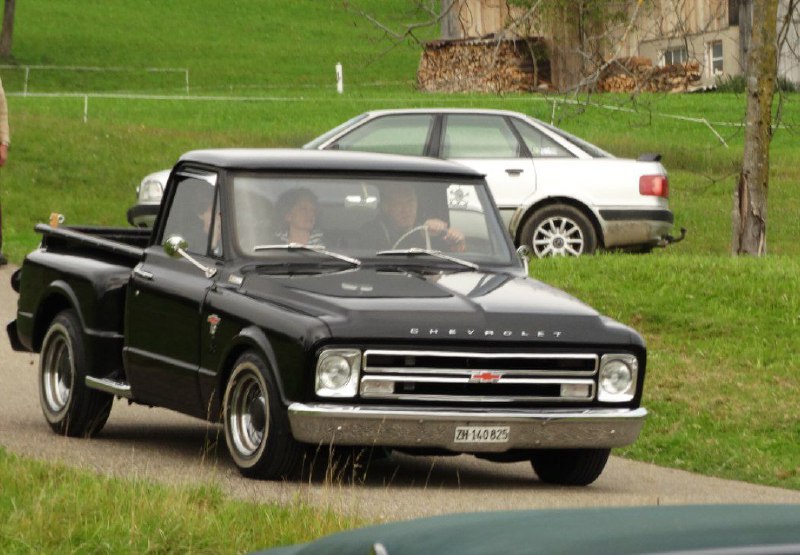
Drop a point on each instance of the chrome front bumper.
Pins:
(411, 427)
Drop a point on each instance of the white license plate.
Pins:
(482, 434)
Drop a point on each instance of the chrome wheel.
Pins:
(558, 236)
(256, 422)
(247, 418)
(57, 369)
(70, 407)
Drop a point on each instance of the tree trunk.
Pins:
(745, 32)
(750, 198)
(7, 34)
(566, 61)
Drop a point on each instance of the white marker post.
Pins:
(339, 78)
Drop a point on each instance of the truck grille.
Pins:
(479, 377)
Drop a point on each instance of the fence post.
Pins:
(85, 108)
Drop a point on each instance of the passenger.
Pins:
(299, 210)
(392, 228)
(216, 233)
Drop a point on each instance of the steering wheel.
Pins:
(413, 230)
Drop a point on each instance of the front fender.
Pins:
(212, 386)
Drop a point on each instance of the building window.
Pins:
(715, 57)
(733, 12)
(677, 55)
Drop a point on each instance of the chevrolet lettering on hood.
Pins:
(323, 298)
(472, 332)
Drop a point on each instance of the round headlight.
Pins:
(151, 191)
(616, 377)
(334, 372)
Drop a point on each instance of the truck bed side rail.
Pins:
(87, 237)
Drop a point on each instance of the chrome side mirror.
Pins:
(175, 246)
(524, 255)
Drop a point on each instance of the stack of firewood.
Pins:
(638, 75)
(480, 66)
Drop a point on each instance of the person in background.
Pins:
(5, 139)
(298, 210)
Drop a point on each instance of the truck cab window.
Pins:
(192, 216)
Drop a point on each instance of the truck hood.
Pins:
(374, 304)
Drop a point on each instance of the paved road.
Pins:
(160, 445)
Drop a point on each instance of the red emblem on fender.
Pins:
(484, 377)
(213, 321)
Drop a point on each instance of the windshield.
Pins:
(363, 218)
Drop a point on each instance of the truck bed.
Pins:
(124, 242)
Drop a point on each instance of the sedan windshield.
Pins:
(363, 218)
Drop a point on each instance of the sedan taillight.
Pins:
(654, 186)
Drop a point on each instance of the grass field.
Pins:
(724, 372)
(40, 512)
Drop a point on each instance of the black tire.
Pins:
(559, 230)
(256, 424)
(569, 467)
(71, 408)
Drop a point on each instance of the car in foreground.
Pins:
(557, 194)
(308, 298)
(696, 530)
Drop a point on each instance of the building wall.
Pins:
(474, 18)
(788, 64)
(660, 27)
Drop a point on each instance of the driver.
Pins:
(399, 216)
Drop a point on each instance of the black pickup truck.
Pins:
(309, 299)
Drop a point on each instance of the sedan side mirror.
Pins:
(175, 246)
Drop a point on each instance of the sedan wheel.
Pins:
(559, 230)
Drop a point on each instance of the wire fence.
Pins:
(555, 102)
(187, 97)
(26, 69)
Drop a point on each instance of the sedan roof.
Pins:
(488, 111)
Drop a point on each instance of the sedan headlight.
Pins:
(337, 373)
(617, 378)
(151, 191)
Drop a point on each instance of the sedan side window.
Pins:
(470, 136)
(540, 145)
(404, 134)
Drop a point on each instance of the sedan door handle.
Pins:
(142, 273)
(514, 171)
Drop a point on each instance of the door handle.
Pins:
(137, 271)
(514, 171)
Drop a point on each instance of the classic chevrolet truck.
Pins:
(309, 299)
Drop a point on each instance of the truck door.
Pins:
(165, 297)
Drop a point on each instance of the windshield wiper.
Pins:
(311, 248)
(438, 254)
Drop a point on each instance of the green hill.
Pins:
(238, 45)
